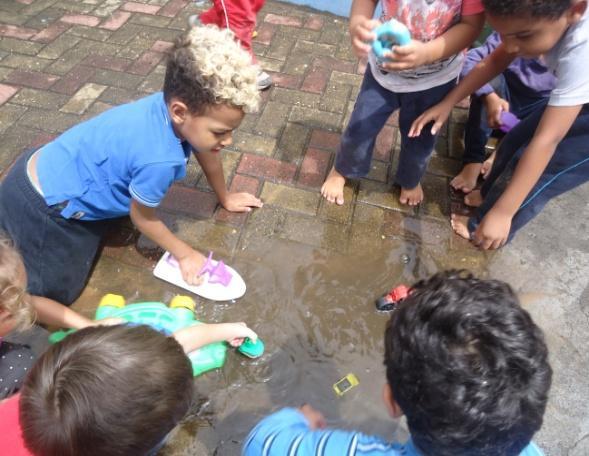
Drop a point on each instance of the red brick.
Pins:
(31, 79)
(331, 63)
(270, 168)
(316, 80)
(195, 203)
(162, 46)
(50, 33)
(238, 184)
(282, 20)
(384, 143)
(21, 33)
(6, 92)
(172, 8)
(41, 139)
(140, 8)
(324, 140)
(265, 33)
(285, 80)
(116, 20)
(314, 167)
(314, 23)
(107, 62)
(80, 19)
(71, 82)
(147, 62)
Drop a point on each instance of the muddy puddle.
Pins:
(315, 311)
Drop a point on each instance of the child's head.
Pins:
(210, 83)
(15, 308)
(467, 366)
(116, 390)
(531, 28)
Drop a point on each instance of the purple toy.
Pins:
(508, 121)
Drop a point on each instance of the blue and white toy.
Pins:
(388, 35)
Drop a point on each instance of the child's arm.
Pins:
(556, 121)
(52, 313)
(361, 26)
(146, 221)
(451, 42)
(193, 337)
(485, 71)
(234, 202)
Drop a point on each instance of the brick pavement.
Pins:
(64, 61)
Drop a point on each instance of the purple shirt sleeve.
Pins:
(475, 55)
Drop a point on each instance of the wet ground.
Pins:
(313, 270)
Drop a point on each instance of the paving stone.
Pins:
(14, 140)
(12, 31)
(285, 80)
(346, 78)
(74, 6)
(313, 22)
(194, 203)
(116, 79)
(125, 33)
(315, 118)
(25, 62)
(265, 33)
(152, 21)
(9, 114)
(51, 121)
(295, 97)
(116, 20)
(12, 45)
(436, 201)
(83, 98)
(335, 98)
(316, 80)
(96, 108)
(239, 183)
(31, 79)
(107, 62)
(146, 62)
(378, 171)
(381, 195)
(323, 139)
(331, 34)
(292, 142)
(422, 229)
(279, 48)
(155, 81)
(172, 8)
(313, 48)
(39, 98)
(276, 170)
(295, 64)
(311, 231)
(293, 199)
(442, 166)
(262, 225)
(50, 33)
(336, 213)
(80, 19)
(247, 142)
(134, 7)
(314, 168)
(283, 20)
(6, 92)
(272, 119)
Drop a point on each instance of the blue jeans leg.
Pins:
(415, 152)
(373, 107)
(568, 168)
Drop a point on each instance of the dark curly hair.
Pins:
(549, 9)
(468, 367)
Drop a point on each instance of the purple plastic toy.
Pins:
(508, 121)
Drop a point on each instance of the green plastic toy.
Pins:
(179, 315)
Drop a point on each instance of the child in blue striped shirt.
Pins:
(465, 364)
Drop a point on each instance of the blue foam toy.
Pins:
(391, 33)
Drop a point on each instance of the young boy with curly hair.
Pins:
(415, 76)
(56, 201)
(465, 364)
(546, 154)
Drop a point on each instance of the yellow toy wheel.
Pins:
(185, 302)
(112, 300)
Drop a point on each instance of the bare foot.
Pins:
(411, 196)
(460, 225)
(333, 187)
(466, 180)
(474, 199)
(487, 165)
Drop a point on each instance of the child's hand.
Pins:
(235, 333)
(493, 230)
(405, 57)
(495, 105)
(438, 114)
(314, 417)
(241, 202)
(190, 265)
(362, 33)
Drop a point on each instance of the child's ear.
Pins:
(390, 403)
(178, 111)
(577, 10)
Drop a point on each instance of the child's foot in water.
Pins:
(460, 225)
(474, 199)
(333, 187)
(411, 196)
(466, 180)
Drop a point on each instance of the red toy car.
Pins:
(389, 301)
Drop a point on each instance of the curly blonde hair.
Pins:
(13, 296)
(206, 67)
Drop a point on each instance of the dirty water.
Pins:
(315, 311)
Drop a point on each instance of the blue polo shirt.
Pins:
(96, 167)
(287, 433)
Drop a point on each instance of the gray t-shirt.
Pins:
(568, 60)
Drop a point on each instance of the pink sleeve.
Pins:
(471, 7)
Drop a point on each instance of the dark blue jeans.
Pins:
(373, 107)
(58, 253)
(568, 168)
(477, 130)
